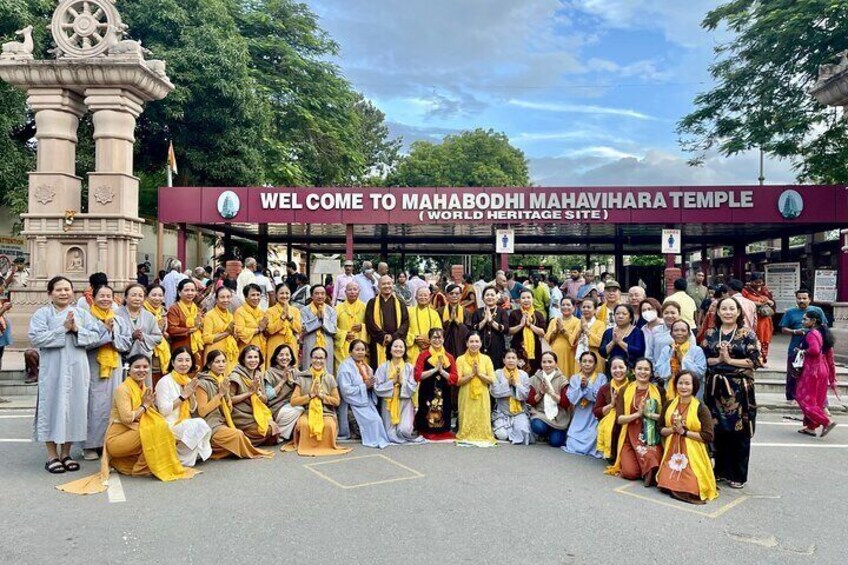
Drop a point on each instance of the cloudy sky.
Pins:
(590, 90)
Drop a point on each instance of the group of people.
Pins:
(152, 388)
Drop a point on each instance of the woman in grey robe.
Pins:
(61, 332)
(510, 389)
(112, 331)
(145, 333)
(312, 324)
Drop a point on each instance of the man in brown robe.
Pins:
(384, 331)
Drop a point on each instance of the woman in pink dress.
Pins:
(818, 374)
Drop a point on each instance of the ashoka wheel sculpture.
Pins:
(85, 28)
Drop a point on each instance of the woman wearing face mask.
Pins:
(395, 383)
(250, 411)
(582, 392)
(145, 335)
(650, 314)
(356, 386)
(686, 472)
(279, 387)
(661, 337)
(510, 389)
(604, 409)
(639, 410)
(562, 337)
(681, 355)
(548, 401)
(476, 374)
(623, 340)
(526, 326)
(591, 331)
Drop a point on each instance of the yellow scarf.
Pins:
(107, 356)
(514, 378)
(225, 406)
(230, 346)
(163, 349)
(190, 312)
(378, 320)
(320, 340)
(316, 409)
(439, 354)
(528, 335)
(605, 426)
(678, 353)
(629, 394)
(396, 374)
(182, 380)
(460, 314)
(477, 387)
(157, 441)
(696, 451)
(256, 315)
(261, 413)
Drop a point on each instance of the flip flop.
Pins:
(69, 464)
(54, 466)
(807, 432)
(827, 429)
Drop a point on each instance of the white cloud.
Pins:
(579, 109)
(601, 152)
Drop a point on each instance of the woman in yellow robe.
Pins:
(422, 318)
(592, 331)
(283, 324)
(250, 410)
(562, 336)
(476, 374)
(250, 320)
(219, 329)
(604, 409)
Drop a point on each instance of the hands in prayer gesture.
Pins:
(147, 398)
(190, 388)
(70, 322)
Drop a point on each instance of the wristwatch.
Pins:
(685, 431)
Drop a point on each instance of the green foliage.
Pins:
(471, 158)
(647, 260)
(763, 76)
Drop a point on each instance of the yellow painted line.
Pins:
(415, 474)
(624, 489)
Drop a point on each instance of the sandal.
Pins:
(735, 484)
(69, 464)
(807, 432)
(827, 429)
(54, 466)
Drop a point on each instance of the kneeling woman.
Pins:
(639, 408)
(215, 405)
(250, 411)
(279, 386)
(548, 401)
(604, 409)
(356, 385)
(317, 429)
(435, 372)
(476, 373)
(175, 400)
(686, 472)
(582, 437)
(510, 389)
(395, 383)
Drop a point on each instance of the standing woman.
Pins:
(582, 436)
(319, 326)
(396, 385)
(356, 386)
(562, 336)
(732, 355)
(510, 390)
(476, 374)
(591, 331)
(62, 332)
(317, 429)
(176, 401)
(757, 292)
(661, 336)
(639, 410)
(247, 391)
(526, 326)
(219, 328)
(279, 386)
(623, 340)
(605, 408)
(650, 311)
(435, 371)
(162, 352)
(818, 373)
(548, 401)
(283, 325)
(492, 323)
(402, 290)
(214, 405)
(681, 355)
(145, 335)
(250, 319)
(185, 321)
(105, 368)
(455, 320)
(686, 472)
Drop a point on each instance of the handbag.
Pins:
(765, 311)
(798, 362)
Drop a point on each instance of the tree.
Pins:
(471, 158)
(763, 76)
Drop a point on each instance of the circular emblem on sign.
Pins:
(228, 204)
(790, 204)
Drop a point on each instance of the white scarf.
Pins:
(551, 408)
(583, 342)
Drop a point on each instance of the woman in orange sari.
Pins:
(757, 292)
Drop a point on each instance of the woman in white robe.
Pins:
(356, 387)
(61, 332)
(193, 435)
(395, 383)
(114, 335)
(510, 420)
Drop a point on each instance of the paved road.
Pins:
(430, 504)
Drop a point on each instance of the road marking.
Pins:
(311, 467)
(624, 489)
(115, 489)
(15, 416)
(816, 445)
(15, 441)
